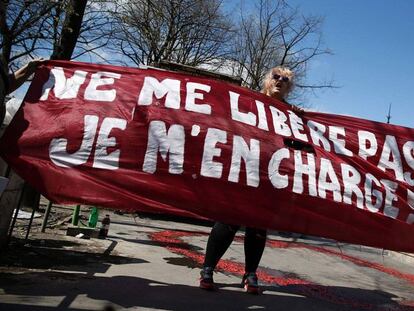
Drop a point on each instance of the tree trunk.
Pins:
(70, 32)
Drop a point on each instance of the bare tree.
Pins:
(63, 48)
(64, 29)
(22, 27)
(80, 27)
(190, 32)
(275, 34)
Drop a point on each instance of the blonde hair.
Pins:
(280, 70)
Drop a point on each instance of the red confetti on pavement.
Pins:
(172, 241)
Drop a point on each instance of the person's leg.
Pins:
(254, 244)
(218, 242)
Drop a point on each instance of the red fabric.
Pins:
(187, 191)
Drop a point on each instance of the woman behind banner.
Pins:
(277, 84)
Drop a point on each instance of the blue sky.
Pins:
(373, 61)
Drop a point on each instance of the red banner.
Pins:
(158, 141)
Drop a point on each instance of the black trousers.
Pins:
(221, 237)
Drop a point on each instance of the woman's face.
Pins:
(278, 86)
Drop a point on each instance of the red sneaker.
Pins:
(206, 279)
(250, 283)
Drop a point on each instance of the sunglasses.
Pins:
(279, 77)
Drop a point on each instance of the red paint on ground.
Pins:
(173, 243)
(357, 261)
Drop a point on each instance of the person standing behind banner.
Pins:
(11, 82)
(277, 84)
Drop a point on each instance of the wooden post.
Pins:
(46, 216)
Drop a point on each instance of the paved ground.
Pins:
(148, 264)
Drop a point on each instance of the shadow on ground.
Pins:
(53, 254)
(128, 292)
(137, 292)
